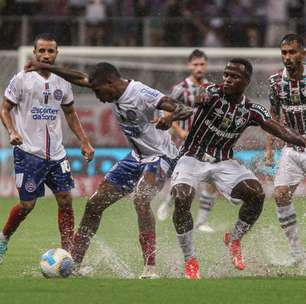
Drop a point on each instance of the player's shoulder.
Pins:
(276, 77)
(61, 81)
(258, 108)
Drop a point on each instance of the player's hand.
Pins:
(15, 138)
(87, 150)
(33, 65)
(163, 123)
(269, 158)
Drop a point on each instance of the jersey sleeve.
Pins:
(13, 92)
(177, 93)
(68, 96)
(150, 97)
(274, 100)
(258, 115)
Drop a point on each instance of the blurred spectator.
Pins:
(76, 7)
(277, 21)
(27, 7)
(237, 21)
(173, 25)
(96, 22)
(295, 13)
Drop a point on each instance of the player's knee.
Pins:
(27, 206)
(182, 195)
(282, 195)
(64, 199)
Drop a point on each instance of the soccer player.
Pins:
(145, 169)
(207, 155)
(288, 96)
(31, 114)
(187, 92)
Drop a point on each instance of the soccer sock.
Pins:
(287, 219)
(186, 244)
(17, 214)
(240, 229)
(66, 226)
(206, 204)
(147, 242)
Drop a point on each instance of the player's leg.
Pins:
(152, 179)
(239, 185)
(29, 172)
(164, 210)
(286, 215)
(65, 217)
(184, 183)
(288, 176)
(119, 181)
(251, 194)
(206, 201)
(144, 193)
(60, 181)
(105, 196)
(17, 214)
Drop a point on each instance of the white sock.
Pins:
(3, 237)
(206, 203)
(186, 243)
(287, 219)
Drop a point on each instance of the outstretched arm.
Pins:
(73, 76)
(275, 128)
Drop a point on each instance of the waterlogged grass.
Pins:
(114, 261)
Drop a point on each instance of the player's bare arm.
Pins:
(270, 140)
(76, 127)
(76, 77)
(7, 106)
(177, 111)
(276, 129)
(178, 131)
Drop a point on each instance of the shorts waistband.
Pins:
(205, 158)
(297, 148)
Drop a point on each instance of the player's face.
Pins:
(45, 51)
(105, 92)
(234, 79)
(292, 55)
(198, 67)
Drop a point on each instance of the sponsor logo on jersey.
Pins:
(131, 115)
(146, 91)
(41, 113)
(58, 95)
(261, 108)
(220, 133)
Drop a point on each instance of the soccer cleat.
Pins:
(3, 249)
(192, 269)
(235, 250)
(163, 211)
(149, 273)
(205, 228)
(297, 256)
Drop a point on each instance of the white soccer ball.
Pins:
(56, 263)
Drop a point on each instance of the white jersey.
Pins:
(37, 112)
(135, 111)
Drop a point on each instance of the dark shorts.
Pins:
(33, 172)
(125, 174)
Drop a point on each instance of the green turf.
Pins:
(115, 256)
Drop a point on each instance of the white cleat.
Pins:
(163, 212)
(205, 228)
(149, 273)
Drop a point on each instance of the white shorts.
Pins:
(224, 174)
(292, 168)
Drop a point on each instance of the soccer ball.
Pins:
(56, 263)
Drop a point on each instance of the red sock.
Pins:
(17, 214)
(66, 226)
(147, 242)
